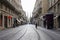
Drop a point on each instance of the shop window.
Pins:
(0, 20)
(5, 21)
(9, 21)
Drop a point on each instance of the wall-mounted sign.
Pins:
(9, 17)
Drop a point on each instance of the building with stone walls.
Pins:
(37, 12)
(9, 11)
(54, 5)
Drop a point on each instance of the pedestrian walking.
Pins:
(36, 25)
(44, 23)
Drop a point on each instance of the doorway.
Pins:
(5, 21)
(59, 21)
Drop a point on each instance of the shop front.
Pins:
(58, 21)
(0, 21)
(48, 21)
(9, 21)
(5, 22)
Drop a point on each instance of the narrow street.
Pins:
(29, 32)
(29, 19)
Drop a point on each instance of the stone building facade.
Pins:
(36, 12)
(9, 11)
(52, 6)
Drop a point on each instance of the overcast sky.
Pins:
(28, 6)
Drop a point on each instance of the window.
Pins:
(1, 5)
(59, 7)
(50, 3)
(54, 1)
(8, 10)
(54, 8)
(11, 11)
(9, 0)
(5, 8)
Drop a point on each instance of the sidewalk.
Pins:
(57, 31)
(54, 30)
(9, 28)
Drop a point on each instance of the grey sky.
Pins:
(28, 6)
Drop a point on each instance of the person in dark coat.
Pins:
(44, 23)
(36, 25)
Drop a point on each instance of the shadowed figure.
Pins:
(36, 25)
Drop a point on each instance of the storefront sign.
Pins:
(9, 17)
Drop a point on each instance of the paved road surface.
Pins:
(29, 32)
